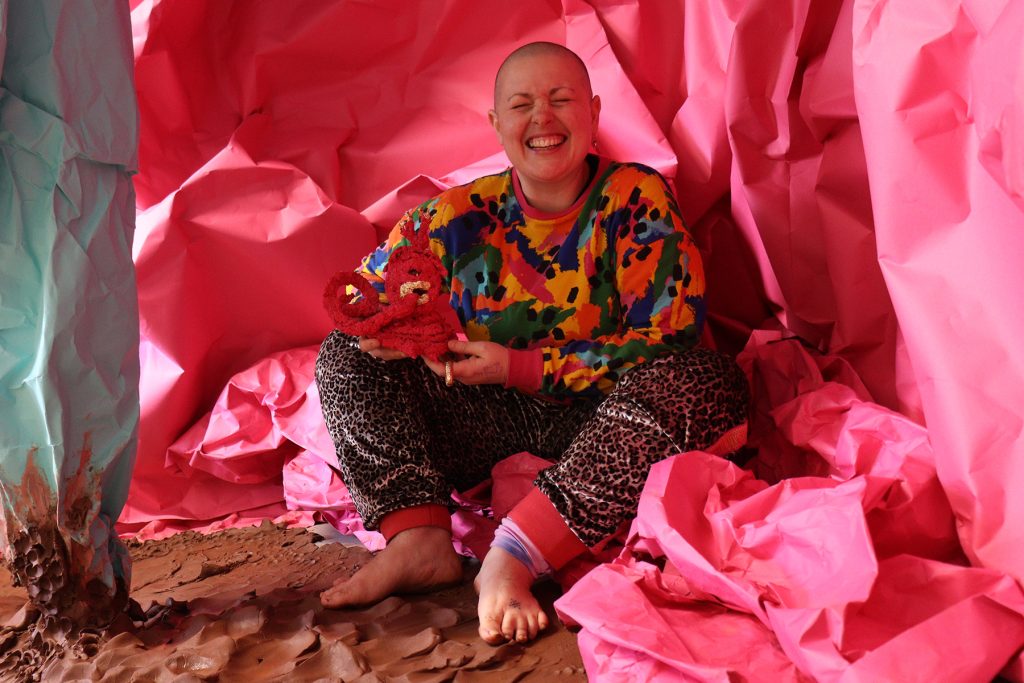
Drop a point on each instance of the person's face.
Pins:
(545, 117)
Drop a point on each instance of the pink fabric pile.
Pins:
(852, 173)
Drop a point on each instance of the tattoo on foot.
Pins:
(513, 604)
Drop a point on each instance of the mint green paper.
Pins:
(69, 364)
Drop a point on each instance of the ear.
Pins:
(421, 239)
(418, 239)
(492, 116)
(408, 231)
(595, 110)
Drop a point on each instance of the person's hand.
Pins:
(377, 350)
(485, 362)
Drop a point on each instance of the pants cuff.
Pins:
(732, 440)
(543, 525)
(428, 514)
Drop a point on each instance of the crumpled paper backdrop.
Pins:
(69, 365)
(853, 174)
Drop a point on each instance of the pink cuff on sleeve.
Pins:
(525, 370)
(540, 521)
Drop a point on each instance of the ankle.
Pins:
(424, 535)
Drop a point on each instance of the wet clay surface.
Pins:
(69, 603)
(241, 605)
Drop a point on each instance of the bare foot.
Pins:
(507, 608)
(415, 560)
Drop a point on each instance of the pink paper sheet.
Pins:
(851, 171)
(853, 574)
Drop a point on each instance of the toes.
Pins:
(528, 623)
(491, 637)
(514, 626)
(349, 592)
(337, 595)
(532, 629)
(490, 625)
(330, 598)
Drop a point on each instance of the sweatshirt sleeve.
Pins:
(652, 277)
(525, 370)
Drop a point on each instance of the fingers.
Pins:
(436, 367)
(377, 350)
(466, 348)
(487, 362)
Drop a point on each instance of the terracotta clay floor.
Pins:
(241, 605)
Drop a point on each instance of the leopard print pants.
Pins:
(404, 438)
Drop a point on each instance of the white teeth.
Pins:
(545, 142)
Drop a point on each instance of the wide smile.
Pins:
(544, 143)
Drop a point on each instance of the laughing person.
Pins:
(581, 294)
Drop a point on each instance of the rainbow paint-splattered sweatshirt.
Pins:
(580, 296)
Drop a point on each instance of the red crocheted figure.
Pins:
(417, 320)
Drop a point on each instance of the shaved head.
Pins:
(545, 114)
(535, 50)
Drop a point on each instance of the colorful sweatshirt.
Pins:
(579, 296)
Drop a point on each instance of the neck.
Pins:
(554, 197)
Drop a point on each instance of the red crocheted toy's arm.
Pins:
(365, 317)
(338, 301)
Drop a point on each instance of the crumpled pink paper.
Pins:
(853, 575)
(640, 624)
(266, 433)
(852, 174)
